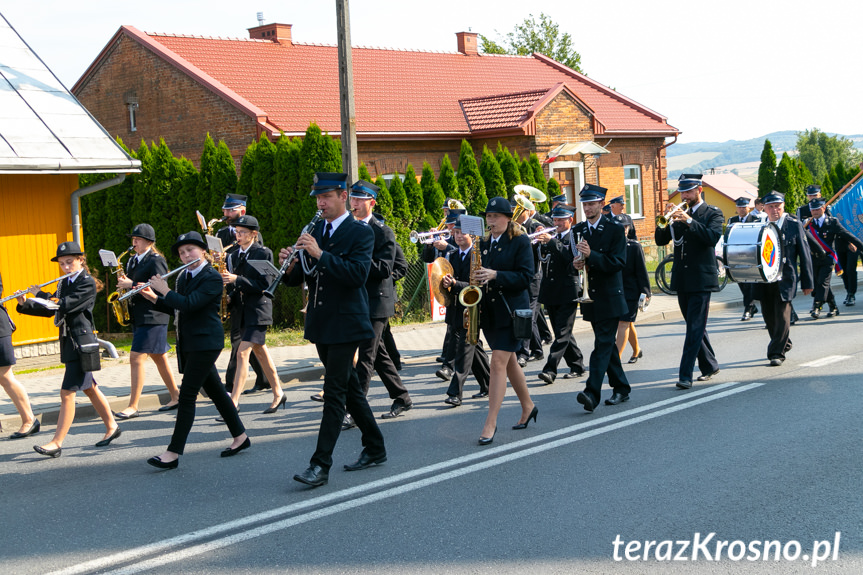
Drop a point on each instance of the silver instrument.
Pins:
(24, 291)
(290, 261)
(142, 287)
(534, 237)
(429, 237)
(573, 241)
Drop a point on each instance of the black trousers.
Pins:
(545, 333)
(777, 318)
(696, 346)
(604, 359)
(199, 370)
(564, 345)
(374, 357)
(747, 290)
(822, 270)
(230, 372)
(849, 264)
(448, 349)
(468, 359)
(388, 342)
(343, 392)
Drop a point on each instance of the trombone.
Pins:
(24, 291)
(429, 237)
(142, 287)
(665, 219)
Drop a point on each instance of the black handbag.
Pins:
(522, 321)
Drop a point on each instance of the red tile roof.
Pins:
(396, 91)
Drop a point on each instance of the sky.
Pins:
(718, 71)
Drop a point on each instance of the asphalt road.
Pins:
(757, 454)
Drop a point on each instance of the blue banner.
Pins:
(848, 209)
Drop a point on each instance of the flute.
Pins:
(24, 291)
(142, 287)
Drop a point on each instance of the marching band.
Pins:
(491, 284)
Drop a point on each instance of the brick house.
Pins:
(411, 106)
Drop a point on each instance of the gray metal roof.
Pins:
(43, 127)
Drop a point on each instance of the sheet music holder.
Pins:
(109, 259)
(265, 268)
(214, 244)
(472, 225)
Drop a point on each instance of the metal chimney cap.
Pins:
(260, 18)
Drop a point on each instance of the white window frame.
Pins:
(578, 182)
(634, 205)
(133, 116)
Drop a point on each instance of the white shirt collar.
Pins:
(197, 270)
(338, 221)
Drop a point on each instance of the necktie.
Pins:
(463, 255)
(132, 263)
(242, 260)
(328, 232)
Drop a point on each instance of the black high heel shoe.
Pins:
(281, 404)
(635, 358)
(487, 440)
(48, 452)
(34, 428)
(532, 415)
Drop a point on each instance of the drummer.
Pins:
(776, 296)
(741, 204)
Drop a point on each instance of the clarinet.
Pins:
(270, 292)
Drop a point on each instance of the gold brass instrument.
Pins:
(142, 287)
(21, 292)
(120, 307)
(450, 205)
(531, 193)
(429, 237)
(665, 219)
(534, 237)
(522, 205)
(440, 268)
(224, 312)
(470, 296)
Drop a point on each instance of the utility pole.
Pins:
(346, 93)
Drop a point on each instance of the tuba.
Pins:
(120, 306)
(470, 296)
(522, 205)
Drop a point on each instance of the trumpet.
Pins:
(534, 237)
(142, 287)
(429, 237)
(665, 219)
(575, 239)
(21, 292)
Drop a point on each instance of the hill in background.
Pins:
(738, 156)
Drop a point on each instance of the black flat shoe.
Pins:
(532, 415)
(365, 460)
(707, 376)
(635, 358)
(281, 404)
(479, 395)
(396, 410)
(169, 407)
(107, 441)
(157, 462)
(319, 397)
(487, 440)
(48, 452)
(616, 398)
(121, 415)
(586, 401)
(230, 452)
(34, 428)
(452, 400)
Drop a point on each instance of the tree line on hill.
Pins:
(830, 161)
(277, 177)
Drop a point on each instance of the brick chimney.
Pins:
(467, 43)
(279, 33)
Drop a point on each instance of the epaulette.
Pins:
(792, 217)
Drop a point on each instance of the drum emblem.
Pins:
(768, 252)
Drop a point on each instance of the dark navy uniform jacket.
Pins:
(141, 310)
(604, 269)
(559, 278)
(830, 232)
(249, 306)
(379, 285)
(513, 261)
(694, 268)
(795, 250)
(338, 310)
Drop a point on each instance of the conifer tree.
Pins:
(470, 181)
(140, 208)
(508, 165)
(247, 170)
(767, 170)
(204, 192)
(401, 209)
(223, 180)
(260, 202)
(492, 175)
(384, 201)
(787, 183)
(284, 172)
(364, 173)
(414, 193)
(165, 186)
(316, 156)
(553, 188)
(447, 179)
(827, 190)
(433, 198)
(539, 181)
(186, 197)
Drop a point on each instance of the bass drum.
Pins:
(753, 253)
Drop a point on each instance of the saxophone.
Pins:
(120, 307)
(470, 296)
(224, 312)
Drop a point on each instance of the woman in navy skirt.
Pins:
(12, 387)
(200, 339)
(636, 281)
(79, 350)
(150, 325)
(507, 269)
(251, 309)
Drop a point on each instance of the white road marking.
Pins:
(691, 399)
(826, 361)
